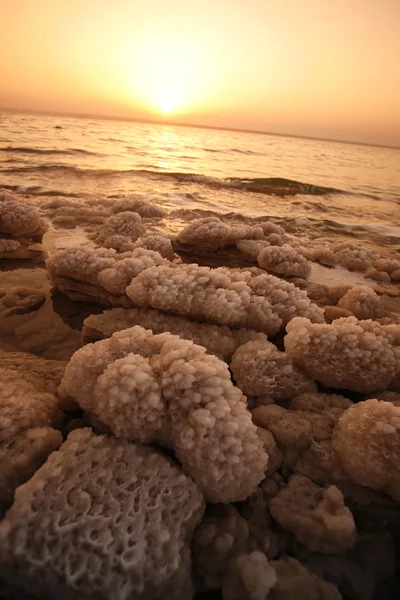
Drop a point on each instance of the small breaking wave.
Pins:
(276, 186)
(27, 150)
(38, 190)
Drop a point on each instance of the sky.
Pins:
(323, 68)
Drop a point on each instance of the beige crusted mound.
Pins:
(317, 516)
(295, 581)
(211, 233)
(139, 205)
(284, 260)
(217, 339)
(367, 441)
(221, 535)
(160, 388)
(102, 519)
(21, 228)
(260, 369)
(363, 302)
(100, 275)
(19, 219)
(222, 296)
(252, 577)
(349, 255)
(28, 416)
(356, 355)
(249, 577)
(126, 224)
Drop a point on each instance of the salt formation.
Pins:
(21, 229)
(29, 417)
(317, 516)
(363, 302)
(217, 339)
(222, 296)
(160, 388)
(348, 254)
(99, 274)
(367, 440)
(102, 518)
(252, 248)
(284, 260)
(221, 535)
(125, 224)
(211, 233)
(249, 577)
(390, 266)
(140, 206)
(260, 369)
(21, 300)
(363, 356)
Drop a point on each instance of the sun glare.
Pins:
(173, 75)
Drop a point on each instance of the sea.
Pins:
(195, 168)
(321, 189)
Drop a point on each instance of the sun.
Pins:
(167, 103)
(170, 74)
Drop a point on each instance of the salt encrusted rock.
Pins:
(295, 581)
(317, 516)
(221, 535)
(332, 313)
(21, 300)
(127, 224)
(363, 302)
(165, 389)
(217, 339)
(391, 266)
(367, 441)
(357, 355)
(331, 405)
(252, 247)
(256, 512)
(211, 233)
(138, 205)
(388, 396)
(28, 418)
(18, 218)
(45, 375)
(99, 274)
(249, 577)
(260, 369)
(222, 296)
(284, 260)
(8, 246)
(158, 242)
(102, 518)
(271, 448)
(347, 254)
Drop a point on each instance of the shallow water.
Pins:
(319, 189)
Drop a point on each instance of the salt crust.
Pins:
(160, 388)
(363, 356)
(222, 296)
(284, 260)
(217, 339)
(102, 518)
(260, 369)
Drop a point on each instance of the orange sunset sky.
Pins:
(324, 68)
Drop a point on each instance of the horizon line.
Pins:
(180, 124)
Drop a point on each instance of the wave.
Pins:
(276, 186)
(28, 150)
(38, 190)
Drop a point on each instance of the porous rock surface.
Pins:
(102, 519)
